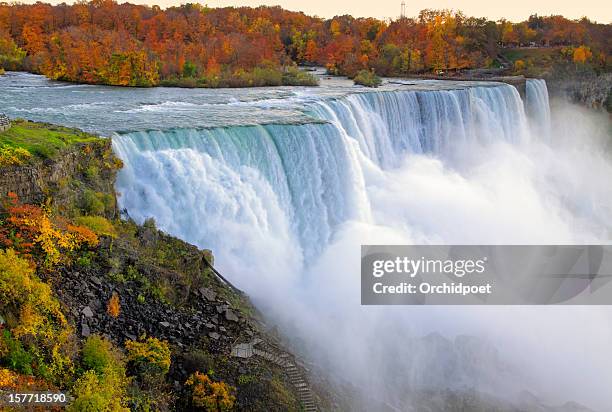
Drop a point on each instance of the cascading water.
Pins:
(285, 207)
(295, 184)
(249, 190)
(538, 107)
(388, 125)
(286, 202)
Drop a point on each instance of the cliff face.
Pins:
(589, 90)
(162, 288)
(72, 179)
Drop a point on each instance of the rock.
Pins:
(96, 280)
(87, 312)
(230, 315)
(85, 331)
(209, 294)
(214, 335)
(165, 324)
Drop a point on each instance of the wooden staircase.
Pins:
(285, 361)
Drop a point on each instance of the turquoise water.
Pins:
(285, 184)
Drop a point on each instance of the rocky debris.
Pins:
(182, 326)
(87, 312)
(230, 315)
(208, 294)
(85, 331)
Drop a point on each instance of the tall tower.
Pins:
(403, 13)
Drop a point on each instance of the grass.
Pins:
(43, 140)
(538, 54)
(538, 61)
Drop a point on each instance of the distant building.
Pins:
(5, 123)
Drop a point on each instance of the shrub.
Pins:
(98, 224)
(103, 386)
(14, 355)
(30, 231)
(84, 260)
(149, 357)
(99, 354)
(38, 334)
(8, 379)
(113, 308)
(367, 78)
(100, 392)
(93, 202)
(209, 395)
(296, 77)
(13, 156)
(92, 173)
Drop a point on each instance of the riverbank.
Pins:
(255, 77)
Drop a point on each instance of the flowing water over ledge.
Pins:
(284, 184)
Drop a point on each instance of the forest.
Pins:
(104, 42)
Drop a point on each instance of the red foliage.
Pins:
(126, 44)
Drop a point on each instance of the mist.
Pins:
(285, 209)
(544, 191)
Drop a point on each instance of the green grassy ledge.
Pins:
(43, 140)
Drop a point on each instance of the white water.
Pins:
(285, 208)
(313, 174)
(538, 107)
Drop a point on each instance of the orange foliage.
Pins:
(113, 308)
(137, 45)
(32, 232)
(209, 395)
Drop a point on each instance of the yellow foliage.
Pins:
(582, 54)
(29, 225)
(100, 393)
(209, 395)
(38, 318)
(151, 355)
(519, 65)
(114, 307)
(103, 387)
(98, 224)
(13, 156)
(8, 379)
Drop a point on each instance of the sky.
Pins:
(514, 10)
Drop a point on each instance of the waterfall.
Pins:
(285, 207)
(388, 125)
(538, 107)
(255, 192)
(246, 191)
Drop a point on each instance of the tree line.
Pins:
(104, 42)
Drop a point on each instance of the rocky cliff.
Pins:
(67, 179)
(137, 283)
